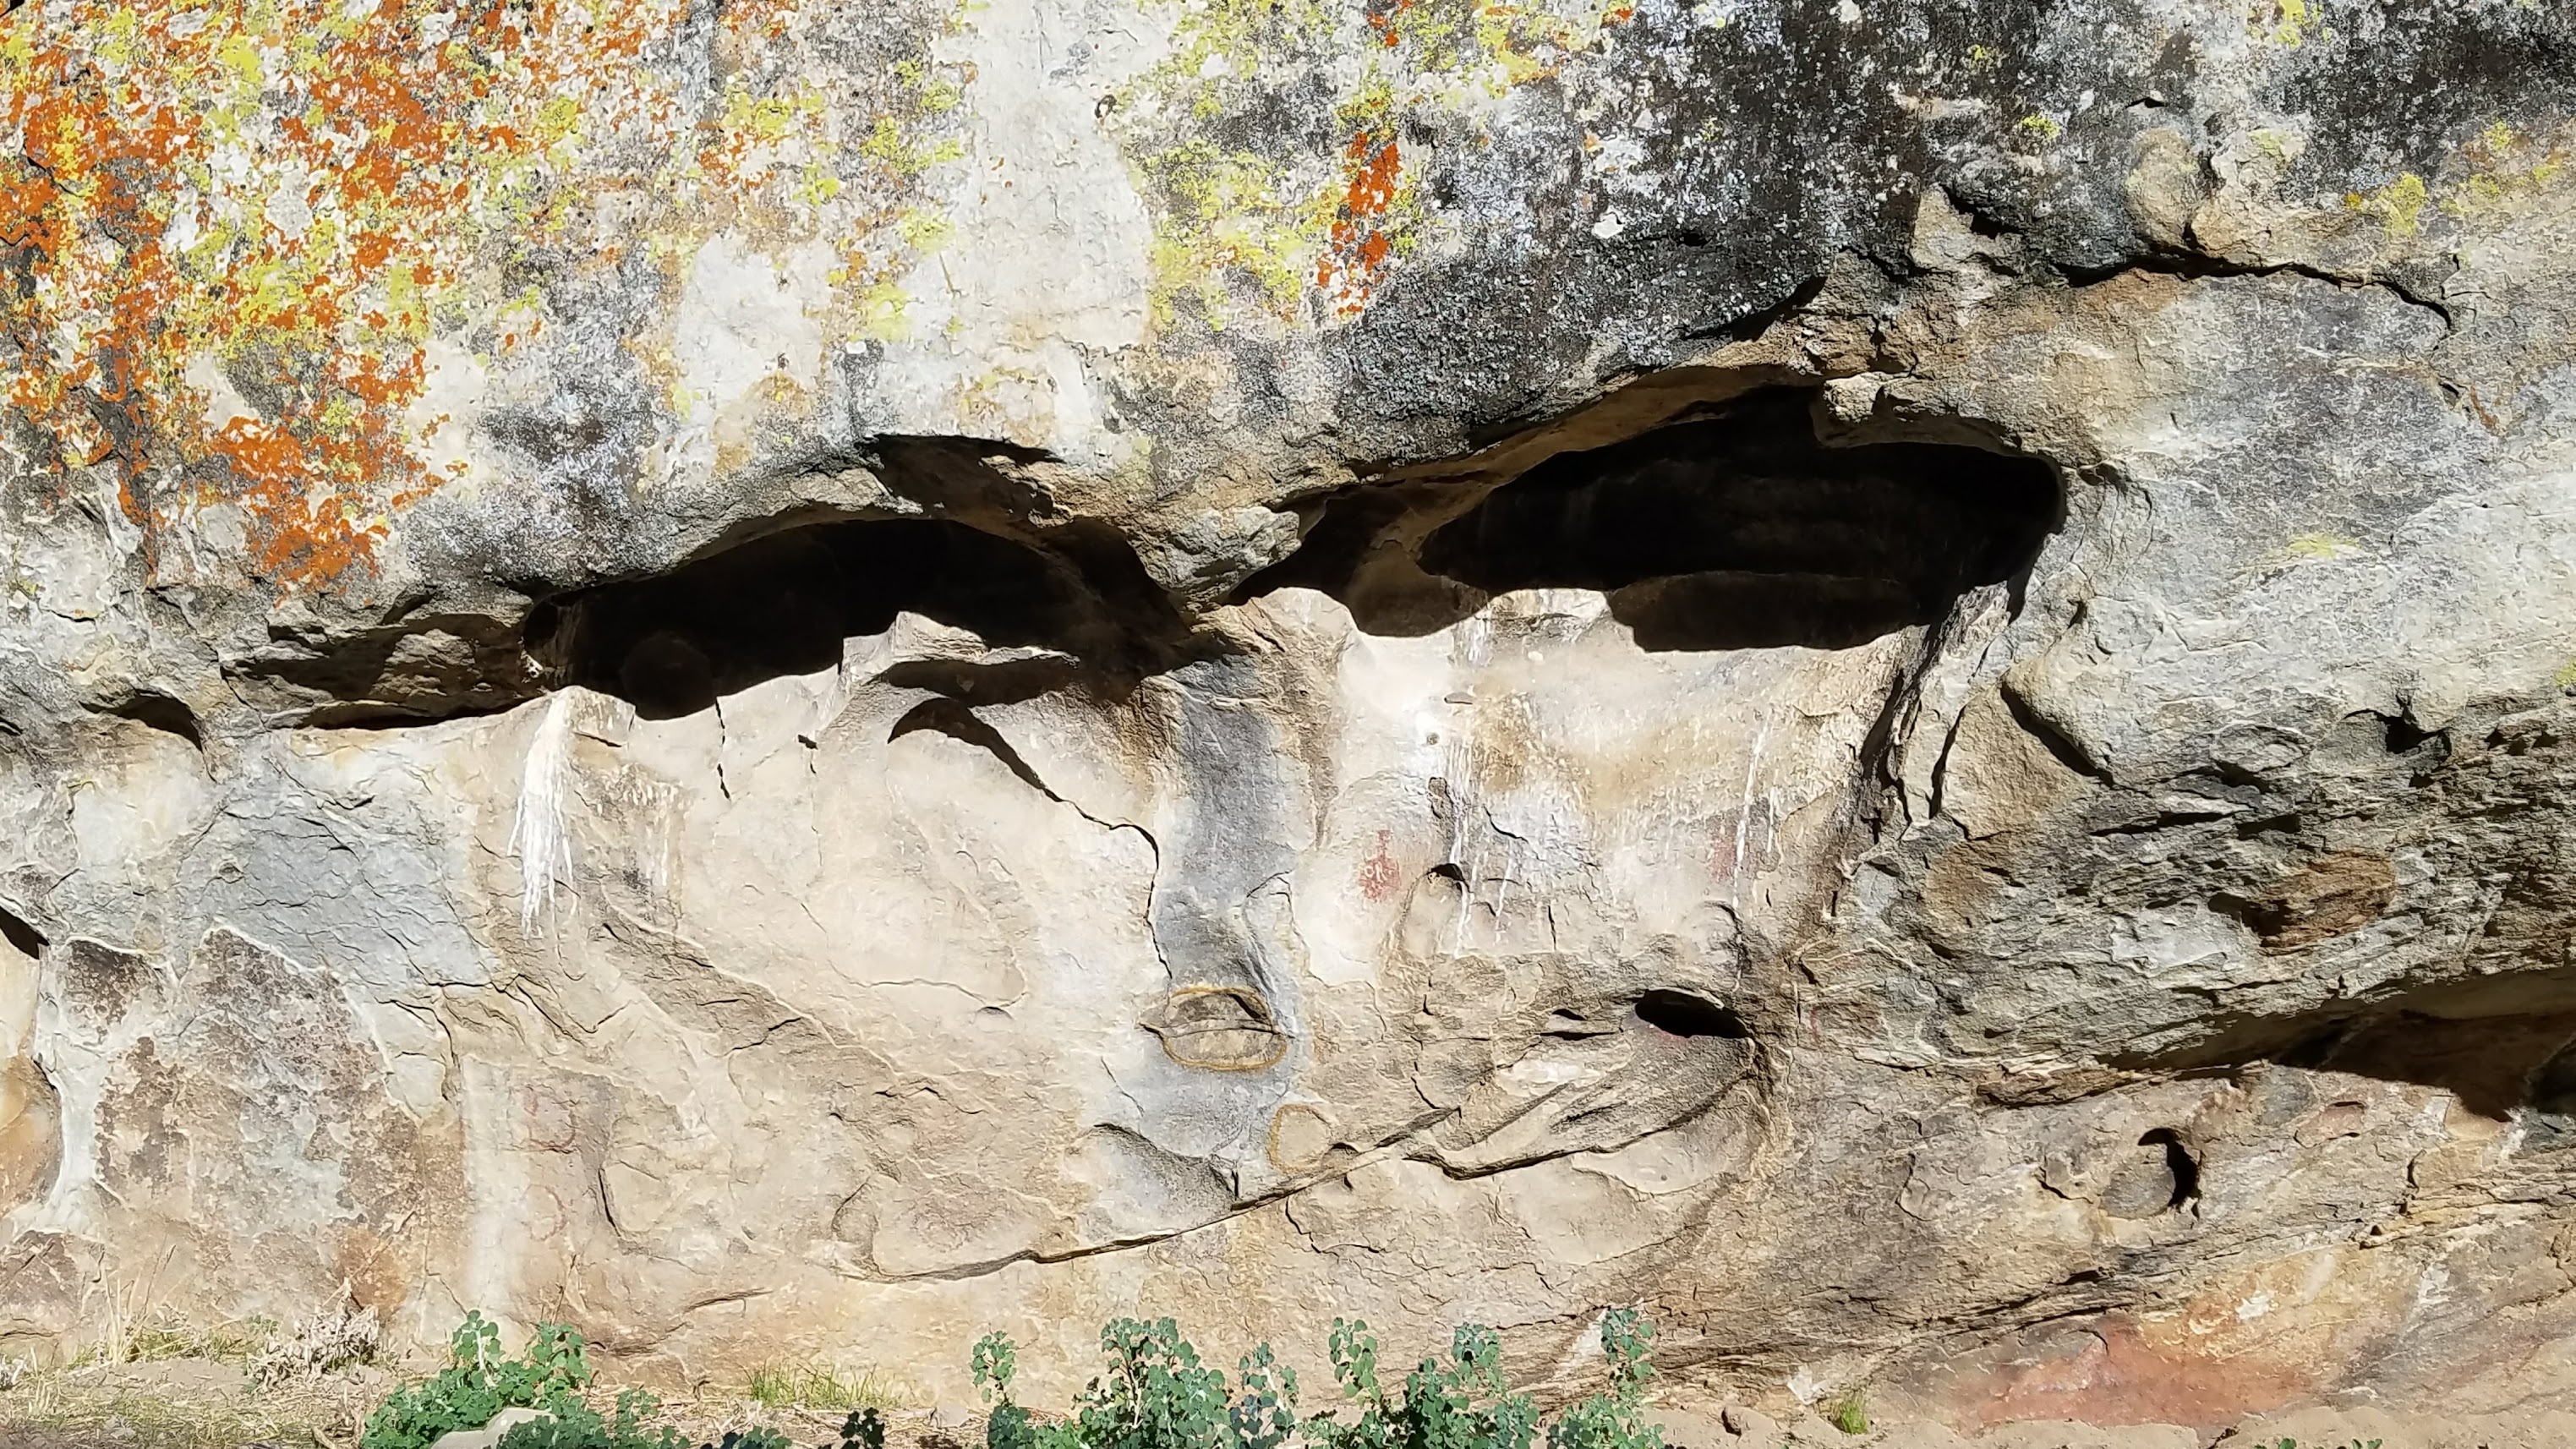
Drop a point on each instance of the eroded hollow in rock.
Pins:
(1735, 529)
(2180, 1165)
(21, 937)
(1680, 1013)
(782, 604)
(2159, 1175)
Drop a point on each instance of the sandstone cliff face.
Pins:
(789, 677)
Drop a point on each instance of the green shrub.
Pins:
(1154, 1394)
(996, 1361)
(576, 1425)
(480, 1382)
(1616, 1417)
(1157, 1394)
(1461, 1404)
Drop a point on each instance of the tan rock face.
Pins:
(1894, 683)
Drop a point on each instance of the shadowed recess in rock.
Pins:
(1736, 529)
(2505, 1045)
(23, 938)
(1679, 1013)
(674, 643)
(158, 711)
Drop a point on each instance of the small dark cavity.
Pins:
(782, 604)
(1981, 223)
(23, 938)
(2404, 736)
(161, 712)
(2184, 1167)
(1683, 1013)
(1010, 682)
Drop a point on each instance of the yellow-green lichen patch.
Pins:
(2322, 546)
(2501, 170)
(1272, 220)
(2307, 549)
(2506, 166)
(2399, 205)
(2287, 22)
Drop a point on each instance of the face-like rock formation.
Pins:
(794, 678)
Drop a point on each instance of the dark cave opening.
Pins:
(1743, 531)
(1735, 529)
(2502, 1044)
(676, 642)
(23, 938)
(2184, 1168)
(159, 711)
(1680, 1013)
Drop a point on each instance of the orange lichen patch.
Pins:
(1357, 249)
(1383, 21)
(292, 195)
(231, 181)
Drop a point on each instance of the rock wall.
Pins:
(790, 678)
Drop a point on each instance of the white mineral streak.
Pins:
(541, 829)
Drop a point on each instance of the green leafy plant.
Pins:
(573, 1424)
(1155, 1393)
(995, 1362)
(479, 1382)
(1850, 1413)
(1460, 1404)
(864, 1429)
(1616, 1418)
(1264, 1413)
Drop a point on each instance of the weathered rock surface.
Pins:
(787, 677)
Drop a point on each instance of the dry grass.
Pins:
(179, 1403)
(161, 1339)
(829, 1388)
